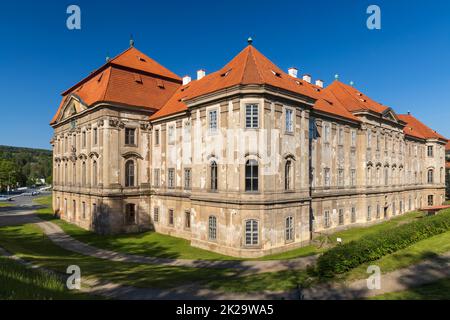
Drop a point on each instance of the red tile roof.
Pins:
(248, 67)
(354, 100)
(132, 78)
(447, 146)
(417, 129)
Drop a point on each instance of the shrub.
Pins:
(342, 258)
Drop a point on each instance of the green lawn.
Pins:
(158, 245)
(21, 283)
(29, 243)
(439, 290)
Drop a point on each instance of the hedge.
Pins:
(345, 257)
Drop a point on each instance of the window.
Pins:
(212, 121)
(378, 211)
(187, 179)
(401, 206)
(352, 177)
(171, 178)
(341, 136)
(95, 133)
(430, 151)
(288, 175)
(326, 133)
(378, 142)
(340, 177)
(212, 229)
(326, 219)
(369, 139)
(341, 216)
(251, 232)
(386, 176)
(83, 209)
(430, 200)
(94, 209)
(213, 172)
(171, 217)
(353, 134)
(156, 178)
(430, 176)
(369, 213)
(394, 209)
(251, 116)
(289, 121)
(156, 137)
(289, 232)
(187, 219)
(94, 173)
(83, 170)
(156, 214)
(130, 136)
(84, 139)
(171, 134)
(74, 174)
(74, 211)
(251, 175)
(129, 173)
(353, 215)
(326, 174)
(130, 213)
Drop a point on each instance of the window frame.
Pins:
(251, 116)
(212, 228)
(171, 183)
(250, 176)
(130, 178)
(251, 233)
(289, 121)
(128, 136)
(289, 230)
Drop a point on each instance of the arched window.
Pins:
(83, 174)
(288, 175)
(65, 174)
(94, 173)
(251, 232)
(430, 176)
(212, 230)
(213, 176)
(129, 173)
(74, 174)
(251, 175)
(289, 232)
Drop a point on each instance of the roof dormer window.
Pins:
(276, 74)
(225, 73)
(138, 78)
(141, 59)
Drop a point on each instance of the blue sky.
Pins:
(405, 65)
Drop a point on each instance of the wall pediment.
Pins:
(72, 106)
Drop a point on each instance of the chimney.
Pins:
(307, 78)
(319, 83)
(293, 72)
(200, 74)
(186, 80)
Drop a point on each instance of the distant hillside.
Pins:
(22, 166)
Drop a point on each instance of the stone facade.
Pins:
(193, 174)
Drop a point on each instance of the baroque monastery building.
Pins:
(246, 161)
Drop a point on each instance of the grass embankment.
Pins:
(439, 290)
(21, 283)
